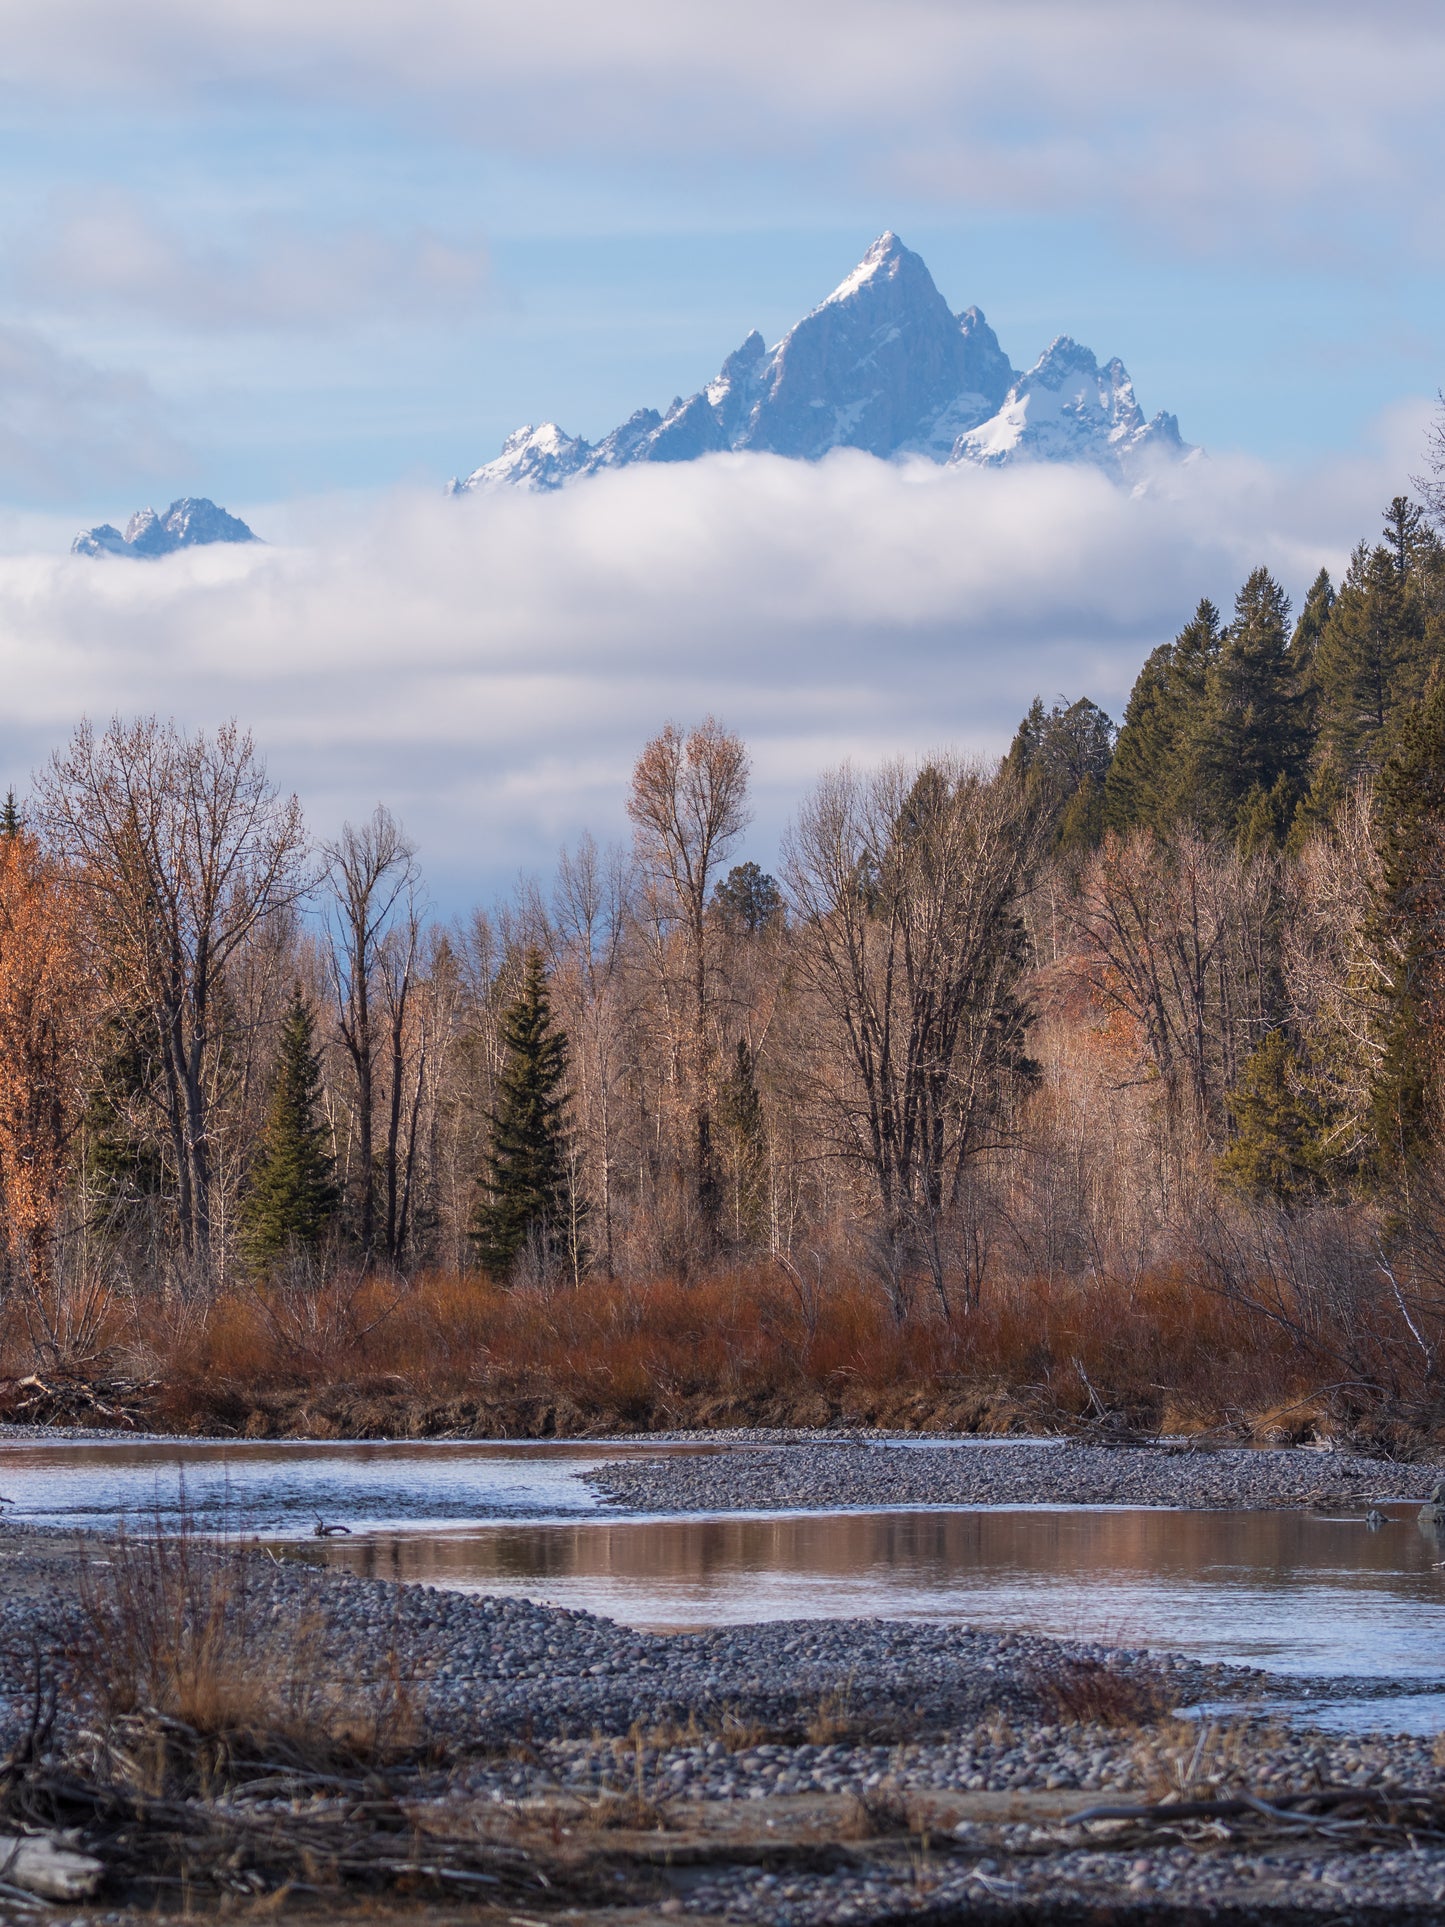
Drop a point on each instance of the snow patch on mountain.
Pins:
(882, 365)
(189, 523)
(1067, 408)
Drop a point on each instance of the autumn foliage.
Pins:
(47, 1005)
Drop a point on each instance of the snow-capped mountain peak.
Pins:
(1066, 408)
(880, 365)
(885, 257)
(191, 522)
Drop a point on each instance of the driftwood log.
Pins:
(39, 1864)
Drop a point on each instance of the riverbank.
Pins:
(797, 1773)
(831, 1475)
(458, 1357)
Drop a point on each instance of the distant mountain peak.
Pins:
(881, 365)
(190, 522)
(886, 258)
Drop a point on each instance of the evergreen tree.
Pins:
(1254, 736)
(292, 1194)
(740, 1113)
(1405, 534)
(124, 1171)
(1303, 648)
(1155, 776)
(747, 900)
(1063, 756)
(1316, 810)
(527, 1198)
(11, 820)
(1406, 932)
(1370, 663)
(1279, 1150)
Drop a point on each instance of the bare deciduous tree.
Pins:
(1183, 938)
(371, 871)
(185, 849)
(688, 807)
(906, 888)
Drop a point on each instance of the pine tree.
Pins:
(747, 900)
(292, 1195)
(1406, 933)
(1371, 660)
(1154, 778)
(527, 1196)
(1279, 1150)
(1405, 534)
(740, 1113)
(1062, 756)
(12, 822)
(1303, 648)
(1254, 736)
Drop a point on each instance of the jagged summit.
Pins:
(882, 365)
(188, 523)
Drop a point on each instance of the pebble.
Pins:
(835, 1476)
(541, 1704)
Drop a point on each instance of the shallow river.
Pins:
(1295, 1592)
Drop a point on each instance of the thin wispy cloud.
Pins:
(1220, 123)
(67, 425)
(265, 273)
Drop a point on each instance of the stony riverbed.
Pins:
(801, 1773)
(827, 1476)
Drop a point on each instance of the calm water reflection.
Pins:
(1294, 1591)
(282, 1486)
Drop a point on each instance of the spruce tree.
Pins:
(1062, 756)
(1279, 1150)
(1371, 659)
(292, 1195)
(526, 1195)
(1410, 829)
(1254, 737)
(1303, 648)
(740, 1113)
(1155, 776)
(12, 822)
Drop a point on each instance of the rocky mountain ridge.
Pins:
(881, 365)
(190, 522)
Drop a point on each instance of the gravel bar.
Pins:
(815, 1476)
(847, 1771)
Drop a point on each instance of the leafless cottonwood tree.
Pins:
(372, 877)
(689, 806)
(1182, 936)
(185, 850)
(905, 886)
(1431, 485)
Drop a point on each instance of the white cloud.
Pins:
(1223, 122)
(67, 426)
(490, 667)
(111, 249)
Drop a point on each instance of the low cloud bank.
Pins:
(489, 667)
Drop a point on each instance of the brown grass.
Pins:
(1094, 1693)
(194, 1685)
(458, 1354)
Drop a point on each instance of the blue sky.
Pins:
(312, 258)
(324, 247)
